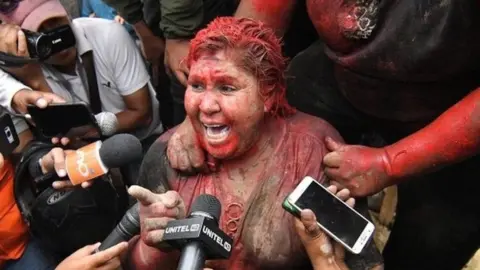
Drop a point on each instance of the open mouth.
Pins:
(216, 133)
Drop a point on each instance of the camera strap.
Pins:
(94, 95)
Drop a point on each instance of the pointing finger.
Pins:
(143, 195)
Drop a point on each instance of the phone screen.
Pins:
(69, 120)
(335, 216)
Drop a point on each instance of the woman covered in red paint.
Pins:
(236, 103)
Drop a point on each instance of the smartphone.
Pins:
(65, 120)
(336, 218)
(9, 138)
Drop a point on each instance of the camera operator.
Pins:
(122, 79)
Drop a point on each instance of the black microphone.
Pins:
(128, 227)
(199, 237)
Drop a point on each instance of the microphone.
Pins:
(107, 122)
(198, 236)
(128, 227)
(94, 160)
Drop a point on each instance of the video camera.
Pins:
(41, 46)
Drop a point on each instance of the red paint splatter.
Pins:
(258, 51)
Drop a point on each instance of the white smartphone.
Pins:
(336, 218)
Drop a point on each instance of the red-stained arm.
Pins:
(451, 138)
(275, 13)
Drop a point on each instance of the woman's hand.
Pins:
(155, 211)
(55, 161)
(323, 252)
(84, 259)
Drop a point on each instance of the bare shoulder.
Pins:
(313, 126)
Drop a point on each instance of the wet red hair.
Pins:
(256, 49)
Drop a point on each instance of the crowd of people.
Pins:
(373, 94)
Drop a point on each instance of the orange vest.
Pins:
(13, 231)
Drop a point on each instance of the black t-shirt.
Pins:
(403, 60)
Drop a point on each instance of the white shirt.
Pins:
(119, 68)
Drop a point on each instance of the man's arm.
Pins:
(138, 111)
(181, 18)
(9, 86)
(454, 136)
(451, 138)
(131, 78)
(274, 13)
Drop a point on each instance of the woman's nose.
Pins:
(209, 103)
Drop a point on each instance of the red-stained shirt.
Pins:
(251, 196)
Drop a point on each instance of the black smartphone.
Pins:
(340, 221)
(65, 120)
(9, 138)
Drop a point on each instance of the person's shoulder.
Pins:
(99, 29)
(311, 126)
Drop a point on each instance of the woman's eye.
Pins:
(227, 88)
(196, 86)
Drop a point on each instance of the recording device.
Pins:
(9, 137)
(72, 120)
(336, 218)
(94, 160)
(41, 46)
(128, 227)
(198, 236)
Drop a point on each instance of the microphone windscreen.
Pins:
(119, 150)
(208, 204)
(107, 122)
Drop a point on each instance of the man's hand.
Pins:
(176, 50)
(185, 153)
(84, 259)
(155, 211)
(26, 97)
(363, 170)
(320, 248)
(13, 40)
(55, 161)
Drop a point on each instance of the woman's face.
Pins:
(224, 105)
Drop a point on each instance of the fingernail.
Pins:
(62, 173)
(41, 102)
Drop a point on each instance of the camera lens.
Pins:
(43, 47)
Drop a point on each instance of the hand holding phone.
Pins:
(335, 217)
(65, 120)
(319, 246)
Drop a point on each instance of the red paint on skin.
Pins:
(226, 55)
(274, 11)
(452, 137)
(208, 104)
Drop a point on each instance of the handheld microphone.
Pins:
(94, 160)
(199, 237)
(128, 227)
(107, 122)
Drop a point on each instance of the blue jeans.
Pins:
(35, 257)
